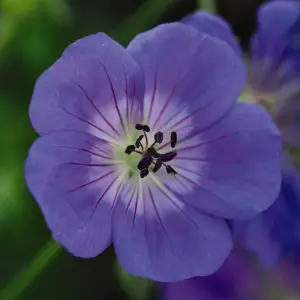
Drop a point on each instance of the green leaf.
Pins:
(142, 19)
(136, 288)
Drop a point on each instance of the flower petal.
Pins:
(213, 25)
(158, 237)
(276, 18)
(259, 240)
(73, 179)
(234, 280)
(269, 234)
(95, 87)
(235, 168)
(189, 76)
(275, 46)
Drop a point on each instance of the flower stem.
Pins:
(19, 284)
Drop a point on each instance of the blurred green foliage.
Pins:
(207, 5)
(136, 288)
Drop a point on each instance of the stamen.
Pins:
(158, 137)
(146, 137)
(145, 162)
(170, 170)
(129, 149)
(173, 139)
(138, 141)
(139, 152)
(168, 156)
(144, 173)
(152, 152)
(158, 165)
(139, 127)
(150, 155)
(146, 128)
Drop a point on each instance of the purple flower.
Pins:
(146, 148)
(274, 66)
(274, 75)
(233, 281)
(275, 233)
(214, 26)
(288, 272)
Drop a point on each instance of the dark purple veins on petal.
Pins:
(145, 162)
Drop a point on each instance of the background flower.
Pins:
(275, 69)
(233, 281)
(273, 65)
(275, 233)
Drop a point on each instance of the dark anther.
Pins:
(170, 170)
(145, 162)
(129, 149)
(158, 165)
(168, 156)
(146, 128)
(138, 141)
(139, 127)
(152, 152)
(173, 139)
(158, 137)
(144, 173)
(148, 153)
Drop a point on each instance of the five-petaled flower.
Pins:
(147, 148)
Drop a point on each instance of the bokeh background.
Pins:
(33, 34)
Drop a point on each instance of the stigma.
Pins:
(151, 160)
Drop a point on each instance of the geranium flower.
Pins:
(147, 148)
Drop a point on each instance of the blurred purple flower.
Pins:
(274, 66)
(235, 280)
(100, 100)
(275, 233)
(288, 272)
(274, 74)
